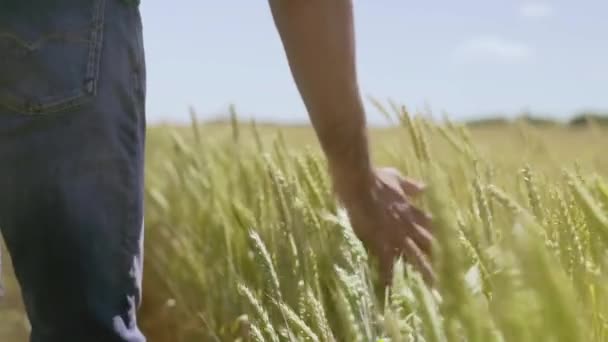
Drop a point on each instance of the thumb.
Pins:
(411, 187)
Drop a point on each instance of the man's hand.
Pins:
(319, 41)
(387, 223)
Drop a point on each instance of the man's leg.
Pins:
(72, 133)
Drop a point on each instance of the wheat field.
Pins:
(245, 242)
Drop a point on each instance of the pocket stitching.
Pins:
(71, 97)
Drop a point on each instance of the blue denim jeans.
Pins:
(72, 134)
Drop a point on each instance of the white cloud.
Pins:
(492, 49)
(536, 10)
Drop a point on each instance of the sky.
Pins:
(465, 58)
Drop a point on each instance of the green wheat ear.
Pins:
(234, 123)
(319, 318)
(380, 107)
(262, 314)
(484, 208)
(281, 191)
(349, 323)
(422, 134)
(298, 324)
(533, 193)
(449, 136)
(264, 261)
(590, 205)
(255, 334)
(428, 309)
(313, 184)
(602, 189)
(196, 129)
(406, 120)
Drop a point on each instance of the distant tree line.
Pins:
(581, 119)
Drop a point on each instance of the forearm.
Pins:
(318, 37)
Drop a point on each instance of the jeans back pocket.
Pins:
(49, 53)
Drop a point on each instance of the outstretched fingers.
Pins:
(421, 218)
(422, 237)
(417, 258)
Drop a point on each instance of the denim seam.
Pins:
(96, 47)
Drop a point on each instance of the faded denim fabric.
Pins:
(72, 134)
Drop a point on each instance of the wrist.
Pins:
(352, 182)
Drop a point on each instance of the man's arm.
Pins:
(318, 37)
(319, 42)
